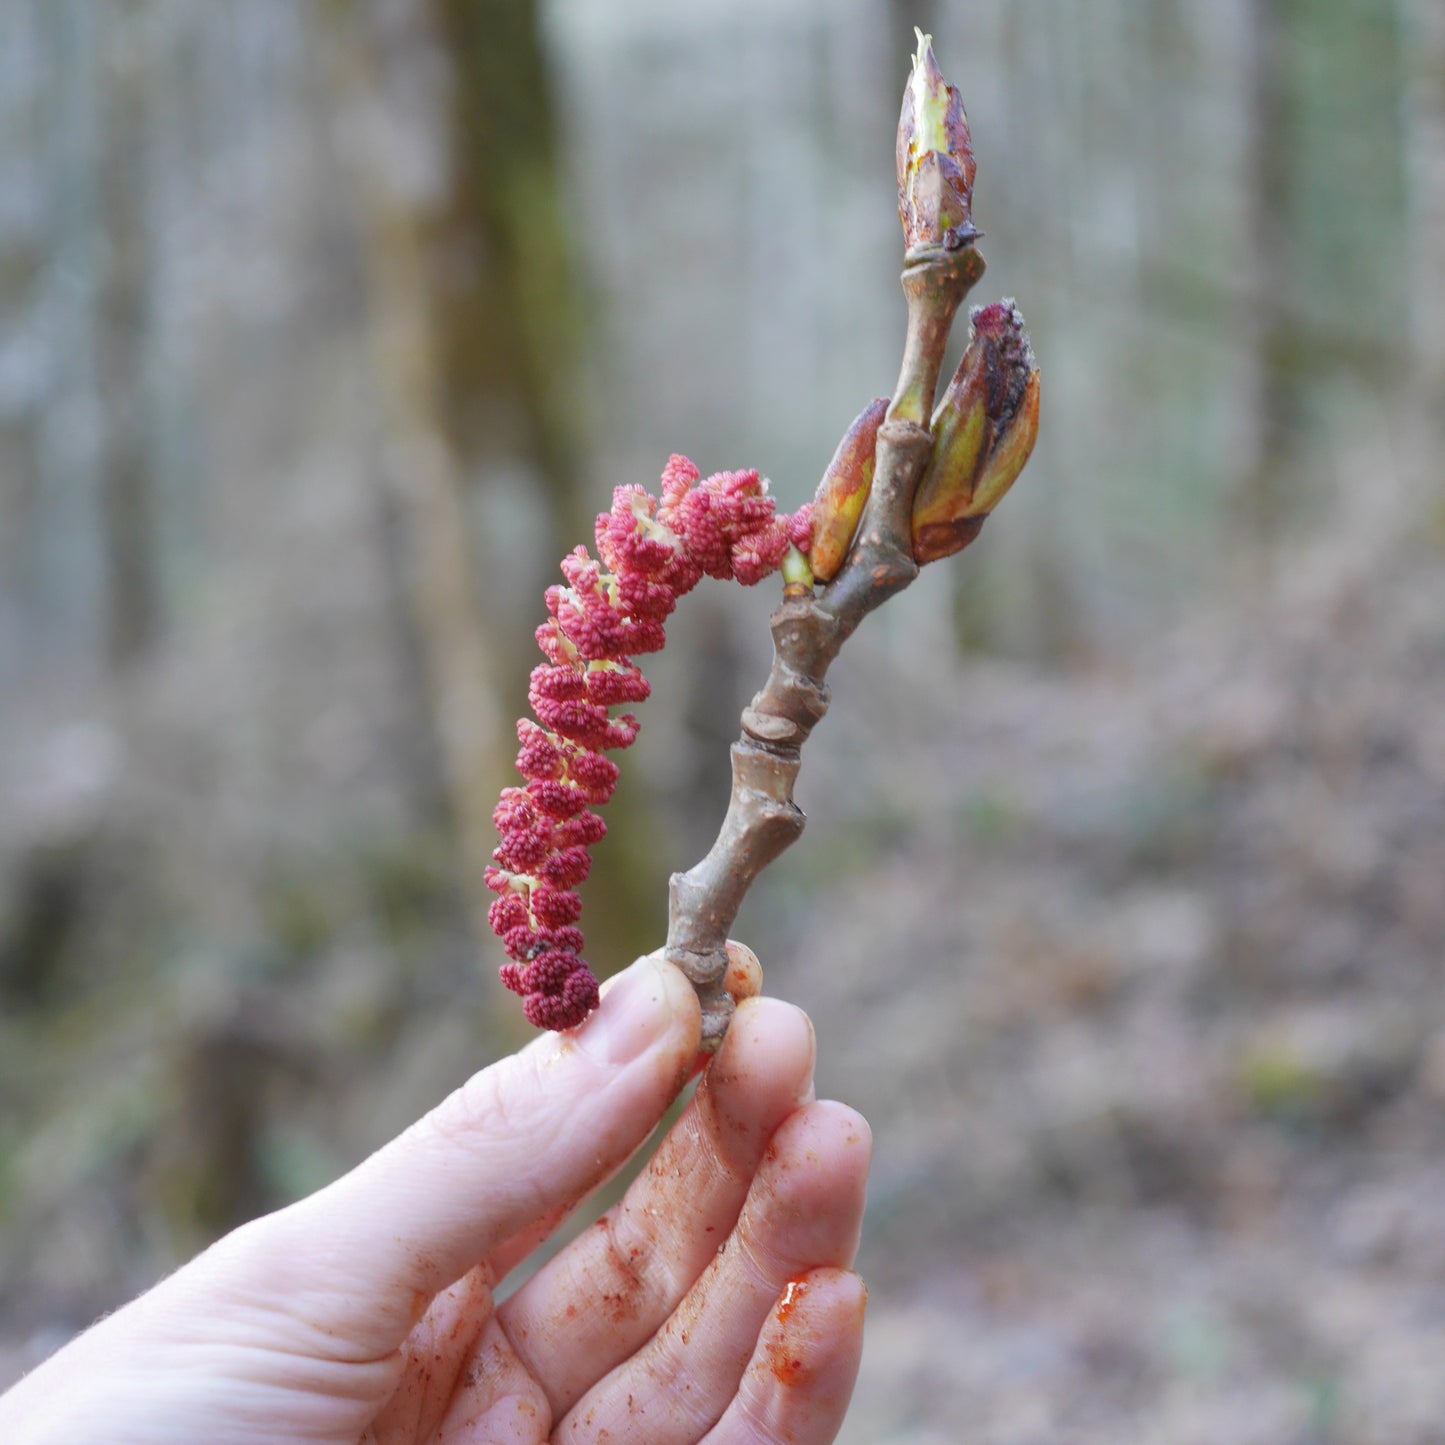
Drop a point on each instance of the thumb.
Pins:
(534, 1133)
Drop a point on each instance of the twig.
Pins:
(808, 633)
(907, 485)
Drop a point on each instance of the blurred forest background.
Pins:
(326, 327)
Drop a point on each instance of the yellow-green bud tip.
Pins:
(935, 158)
(797, 574)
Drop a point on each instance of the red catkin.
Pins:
(652, 550)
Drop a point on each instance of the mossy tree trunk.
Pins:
(1269, 400)
(479, 310)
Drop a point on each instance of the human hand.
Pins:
(713, 1303)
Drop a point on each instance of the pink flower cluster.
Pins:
(653, 550)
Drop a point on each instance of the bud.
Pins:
(843, 492)
(935, 159)
(983, 432)
(798, 575)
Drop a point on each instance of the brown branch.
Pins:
(808, 633)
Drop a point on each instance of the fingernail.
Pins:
(638, 1010)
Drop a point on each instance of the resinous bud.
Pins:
(935, 159)
(983, 432)
(843, 492)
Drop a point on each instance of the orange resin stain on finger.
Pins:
(785, 1350)
(796, 1289)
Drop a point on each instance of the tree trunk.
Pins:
(131, 598)
(1266, 399)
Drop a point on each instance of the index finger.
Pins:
(524, 1139)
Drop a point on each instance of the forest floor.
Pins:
(1149, 1020)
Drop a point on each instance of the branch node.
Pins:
(768, 727)
(700, 969)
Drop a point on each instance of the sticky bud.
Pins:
(843, 492)
(983, 432)
(935, 159)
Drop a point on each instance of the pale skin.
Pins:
(715, 1303)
